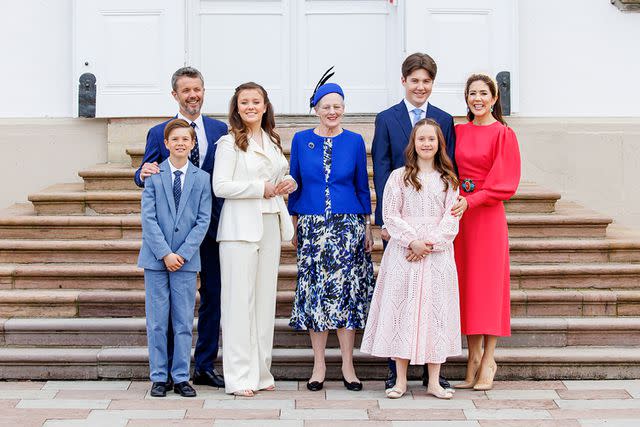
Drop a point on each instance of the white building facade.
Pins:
(573, 65)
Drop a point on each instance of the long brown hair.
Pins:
(441, 162)
(238, 128)
(495, 92)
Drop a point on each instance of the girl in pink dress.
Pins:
(414, 315)
(489, 165)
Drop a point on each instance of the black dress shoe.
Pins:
(158, 389)
(169, 385)
(442, 380)
(211, 378)
(184, 389)
(390, 381)
(315, 385)
(353, 386)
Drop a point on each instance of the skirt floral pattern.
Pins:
(335, 274)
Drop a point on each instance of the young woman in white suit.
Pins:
(250, 173)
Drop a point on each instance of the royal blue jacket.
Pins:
(348, 182)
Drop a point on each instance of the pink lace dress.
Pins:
(415, 312)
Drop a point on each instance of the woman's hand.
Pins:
(269, 190)
(286, 186)
(460, 206)
(418, 249)
(385, 235)
(368, 239)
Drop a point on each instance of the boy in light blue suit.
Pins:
(176, 211)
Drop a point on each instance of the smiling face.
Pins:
(479, 99)
(189, 94)
(426, 142)
(179, 142)
(251, 106)
(417, 86)
(330, 109)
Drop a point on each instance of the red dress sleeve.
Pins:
(504, 176)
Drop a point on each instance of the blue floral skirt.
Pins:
(335, 274)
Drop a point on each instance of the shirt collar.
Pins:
(411, 107)
(199, 123)
(182, 169)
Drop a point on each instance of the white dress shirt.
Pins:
(203, 144)
(411, 107)
(182, 169)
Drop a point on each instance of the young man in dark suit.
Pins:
(188, 91)
(392, 129)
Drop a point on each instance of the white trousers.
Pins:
(249, 275)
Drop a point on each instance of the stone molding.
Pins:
(627, 5)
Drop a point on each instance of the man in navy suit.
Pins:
(392, 129)
(188, 91)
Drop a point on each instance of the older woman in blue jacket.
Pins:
(331, 211)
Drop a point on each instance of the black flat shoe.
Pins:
(158, 389)
(184, 389)
(315, 385)
(211, 378)
(168, 386)
(353, 386)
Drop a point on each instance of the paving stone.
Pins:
(416, 414)
(27, 394)
(610, 423)
(459, 394)
(468, 423)
(529, 385)
(593, 394)
(288, 395)
(86, 385)
(234, 414)
(434, 403)
(157, 404)
(49, 413)
(260, 423)
(63, 404)
(21, 385)
(109, 422)
(506, 414)
(324, 414)
(347, 423)
(102, 394)
(599, 404)
(522, 394)
(602, 384)
(202, 393)
(336, 404)
(516, 404)
(182, 423)
(529, 423)
(344, 394)
(120, 414)
(249, 404)
(287, 385)
(595, 414)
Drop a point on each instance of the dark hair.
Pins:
(185, 72)
(441, 162)
(495, 92)
(239, 129)
(176, 124)
(418, 61)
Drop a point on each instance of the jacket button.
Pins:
(176, 229)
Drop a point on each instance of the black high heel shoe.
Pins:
(353, 386)
(315, 385)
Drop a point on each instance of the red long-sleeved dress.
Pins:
(490, 158)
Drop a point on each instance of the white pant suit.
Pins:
(250, 231)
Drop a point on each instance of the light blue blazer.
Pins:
(163, 229)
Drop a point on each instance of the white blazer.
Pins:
(238, 179)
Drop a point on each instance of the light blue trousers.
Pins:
(166, 293)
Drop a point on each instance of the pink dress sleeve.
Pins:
(441, 237)
(502, 180)
(392, 202)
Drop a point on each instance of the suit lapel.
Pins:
(189, 177)
(211, 143)
(401, 115)
(167, 183)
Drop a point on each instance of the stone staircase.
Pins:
(72, 299)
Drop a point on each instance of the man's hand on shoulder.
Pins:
(148, 169)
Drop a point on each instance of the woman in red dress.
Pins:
(489, 167)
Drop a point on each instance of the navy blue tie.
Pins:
(177, 188)
(194, 155)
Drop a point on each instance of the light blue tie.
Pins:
(177, 188)
(417, 113)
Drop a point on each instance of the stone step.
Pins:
(106, 177)
(74, 199)
(55, 303)
(109, 251)
(539, 363)
(129, 276)
(122, 332)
